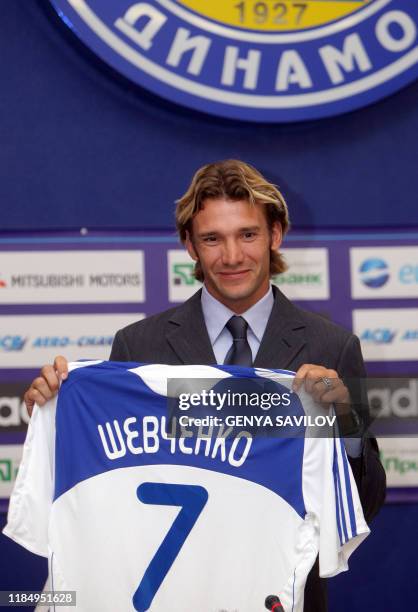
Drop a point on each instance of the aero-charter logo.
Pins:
(374, 273)
(255, 60)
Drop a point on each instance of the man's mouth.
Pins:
(232, 274)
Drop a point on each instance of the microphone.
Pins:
(273, 603)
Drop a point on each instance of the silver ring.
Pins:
(327, 382)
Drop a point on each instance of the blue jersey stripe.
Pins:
(340, 507)
(337, 501)
(349, 494)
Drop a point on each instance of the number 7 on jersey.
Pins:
(192, 499)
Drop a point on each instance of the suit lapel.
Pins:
(284, 337)
(187, 333)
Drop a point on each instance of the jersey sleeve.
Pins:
(32, 496)
(331, 496)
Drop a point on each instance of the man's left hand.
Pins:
(324, 385)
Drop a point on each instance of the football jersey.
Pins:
(133, 516)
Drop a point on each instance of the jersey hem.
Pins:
(22, 542)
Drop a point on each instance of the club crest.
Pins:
(251, 60)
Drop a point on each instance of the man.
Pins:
(232, 222)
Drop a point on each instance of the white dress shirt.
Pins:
(217, 315)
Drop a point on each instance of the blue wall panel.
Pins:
(82, 147)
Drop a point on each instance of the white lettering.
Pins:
(194, 399)
(185, 433)
(353, 55)
(250, 65)
(206, 438)
(154, 21)
(182, 43)
(13, 405)
(379, 400)
(291, 69)
(220, 443)
(150, 428)
(131, 435)
(114, 452)
(169, 436)
(384, 36)
(184, 401)
(237, 462)
(404, 400)
(221, 400)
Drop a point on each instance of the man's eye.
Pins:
(249, 235)
(210, 239)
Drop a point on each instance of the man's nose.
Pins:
(232, 254)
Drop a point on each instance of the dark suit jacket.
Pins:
(292, 337)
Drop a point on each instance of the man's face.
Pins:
(232, 241)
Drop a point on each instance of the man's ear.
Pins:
(188, 243)
(276, 236)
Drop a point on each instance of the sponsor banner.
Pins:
(30, 341)
(181, 282)
(393, 406)
(255, 60)
(384, 272)
(387, 334)
(68, 277)
(393, 398)
(307, 277)
(10, 457)
(13, 413)
(400, 460)
(35, 329)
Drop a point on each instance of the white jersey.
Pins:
(132, 518)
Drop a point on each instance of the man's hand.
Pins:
(324, 385)
(46, 386)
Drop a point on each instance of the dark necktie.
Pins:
(240, 351)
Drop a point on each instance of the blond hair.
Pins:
(233, 180)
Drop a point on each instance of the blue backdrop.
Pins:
(82, 147)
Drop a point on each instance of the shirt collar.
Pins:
(216, 314)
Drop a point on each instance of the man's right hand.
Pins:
(46, 386)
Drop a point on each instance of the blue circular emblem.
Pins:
(374, 273)
(255, 60)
